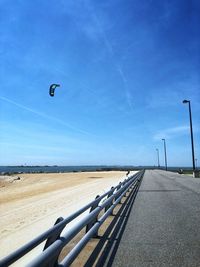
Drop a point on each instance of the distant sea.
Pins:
(47, 169)
(58, 169)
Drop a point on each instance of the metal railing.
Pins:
(100, 209)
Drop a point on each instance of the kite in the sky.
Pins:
(52, 88)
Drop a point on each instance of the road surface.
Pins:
(164, 224)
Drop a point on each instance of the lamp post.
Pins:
(191, 133)
(158, 157)
(196, 164)
(165, 153)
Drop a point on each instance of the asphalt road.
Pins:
(164, 224)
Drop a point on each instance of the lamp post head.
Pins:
(163, 139)
(185, 101)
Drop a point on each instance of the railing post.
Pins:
(118, 187)
(90, 224)
(51, 240)
(109, 195)
(123, 183)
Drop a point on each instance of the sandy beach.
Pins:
(31, 203)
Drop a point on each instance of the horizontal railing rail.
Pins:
(55, 242)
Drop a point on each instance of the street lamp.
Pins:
(191, 132)
(196, 164)
(158, 157)
(165, 153)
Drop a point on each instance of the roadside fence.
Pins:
(99, 209)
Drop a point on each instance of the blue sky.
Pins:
(124, 67)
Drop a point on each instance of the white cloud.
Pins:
(171, 132)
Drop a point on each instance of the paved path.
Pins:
(164, 225)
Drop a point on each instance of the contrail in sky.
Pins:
(117, 64)
(128, 96)
(43, 115)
